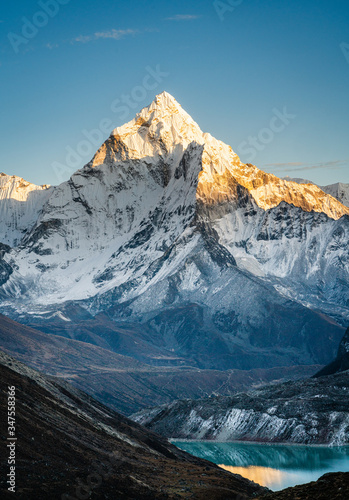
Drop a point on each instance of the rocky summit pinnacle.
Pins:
(160, 129)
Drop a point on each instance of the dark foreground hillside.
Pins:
(334, 486)
(68, 444)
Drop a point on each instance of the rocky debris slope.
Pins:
(311, 411)
(69, 444)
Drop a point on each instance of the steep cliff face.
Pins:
(152, 179)
(218, 261)
(164, 129)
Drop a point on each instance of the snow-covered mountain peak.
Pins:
(164, 109)
(12, 186)
(166, 101)
(21, 203)
(160, 129)
(166, 217)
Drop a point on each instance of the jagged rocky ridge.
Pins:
(338, 190)
(218, 262)
(71, 446)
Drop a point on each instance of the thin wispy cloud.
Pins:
(83, 39)
(51, 45)
(302, 167)
(284, 165)
(113, 34)
(182, 17)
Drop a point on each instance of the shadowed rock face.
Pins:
(341, 363)
(69, 444)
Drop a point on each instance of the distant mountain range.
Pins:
(167, 248)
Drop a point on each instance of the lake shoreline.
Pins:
(274, 465)
(263, 443)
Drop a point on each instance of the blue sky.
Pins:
(235, 66)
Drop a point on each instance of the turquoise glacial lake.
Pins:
(274, 466)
